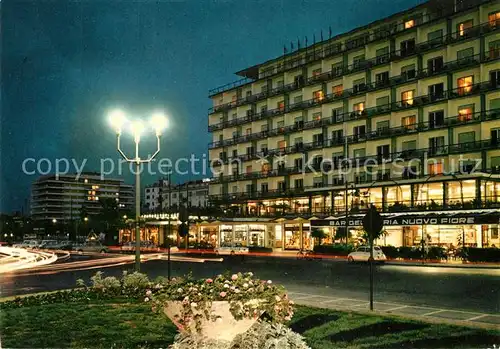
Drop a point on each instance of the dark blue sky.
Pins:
(64, 64)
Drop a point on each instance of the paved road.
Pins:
(471, 290)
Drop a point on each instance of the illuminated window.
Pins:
(85, 180)
(494, 49)
(494, 19)
(282, 145)
(435, 168)
(359, 107)
(337, 90)
(409, 122)
(464, 27)
(409, 24)
(266, 167)
(281, 105)
(407, 98)
(316, 72)
(465, 85)
(465, 113)
(318, 95)
(317, 116)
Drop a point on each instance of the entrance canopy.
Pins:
(417, 218)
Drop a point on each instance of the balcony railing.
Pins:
(337, 48)
(363, 88)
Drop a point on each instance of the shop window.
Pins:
(434, 169)
(464, 27)
(407, 98)
(494, 19)
(465, 113)
(409, 122)
(318, 96)
(409, 24)
(337, 90)
(465, 85)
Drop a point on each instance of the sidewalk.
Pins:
(422, 313)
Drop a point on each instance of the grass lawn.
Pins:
(127, 325)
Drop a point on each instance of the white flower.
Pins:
(149, 293)
(269, 282)
(186, 298)
(250, 274)
(234, 277)
(277, 298)
(194, 305)
(146, 299)
(226, 286)
(237, 291)
(179, 290)
(233, 288)
(245, 285)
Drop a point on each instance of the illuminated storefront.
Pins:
(443, 229)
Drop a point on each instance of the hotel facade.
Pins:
(402, 114)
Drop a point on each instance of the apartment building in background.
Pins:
(161, 194)
(402, 114)
(64, 197)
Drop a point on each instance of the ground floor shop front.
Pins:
(444, 229)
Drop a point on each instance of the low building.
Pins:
(67, 197)
(168, 196)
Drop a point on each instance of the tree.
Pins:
(318, 234)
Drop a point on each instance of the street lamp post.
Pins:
(118, 121)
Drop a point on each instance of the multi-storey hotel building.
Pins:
(62, 198)
(403, 113)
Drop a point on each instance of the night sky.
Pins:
(64, 65)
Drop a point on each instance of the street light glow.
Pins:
(54, 220)
(159, 122)
(137, 127)
(117, 120)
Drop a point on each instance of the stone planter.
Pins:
(225, 328)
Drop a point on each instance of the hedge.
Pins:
(337, 250)
(476, 254)
(260, 249)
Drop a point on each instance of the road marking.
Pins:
(434, 312)
(476, 317)
(335, 300)
(396, 308)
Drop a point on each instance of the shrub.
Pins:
(406, 252)
(436, 253)
(390, 252)
(337, 250)
(476, 254)
(260, 249)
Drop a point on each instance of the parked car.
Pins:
(48, 244)
(362, 254)
(231, 249)
(91, 246)
(28, 244)
(145, 246)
